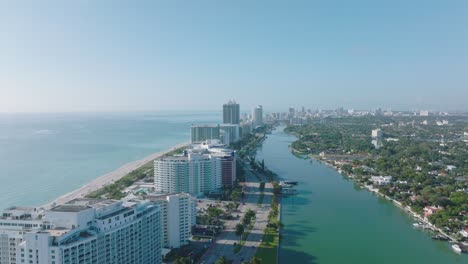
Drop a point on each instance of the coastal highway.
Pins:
(224, 244)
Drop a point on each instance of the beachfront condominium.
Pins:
(231, 113)
(192, 173)
(82, 231)
(216, 150)
(226, 133)
(178, 214)
(230, 133)
(202, 133)
(15, 222)
(257, 115)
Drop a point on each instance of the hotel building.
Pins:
(82, 231)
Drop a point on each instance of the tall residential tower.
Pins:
(231, 113)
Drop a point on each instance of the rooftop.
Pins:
(89, 202)
(70, 208)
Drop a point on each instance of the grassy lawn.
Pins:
(268, 249)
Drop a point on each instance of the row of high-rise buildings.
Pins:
(233, 127)
(202, 169)
(131, 230)
(97, 230)
(208, 164)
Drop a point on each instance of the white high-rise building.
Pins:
(178, 216)
(219, 151)
(15, 222)
(245, 128)
(192, 173)
(205, 132)
(377, 135)
(83, 231)
(257, 115)
(232, 131)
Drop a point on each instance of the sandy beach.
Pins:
(109, 178)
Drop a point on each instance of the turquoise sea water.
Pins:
(43, 156)
(332, 221)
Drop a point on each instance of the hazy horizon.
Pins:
(120, 56)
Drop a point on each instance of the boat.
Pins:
(440, 237)
(457, 248)
(290, 182)
(285, 185)
(418, 225)
(288, 191)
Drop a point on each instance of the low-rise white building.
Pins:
(381, 180)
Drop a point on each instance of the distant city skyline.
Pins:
(107, 56)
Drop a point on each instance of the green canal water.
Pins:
(331, 220)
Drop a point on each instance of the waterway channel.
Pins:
(332, 220)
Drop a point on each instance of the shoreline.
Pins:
(395, 202)
(109, 178)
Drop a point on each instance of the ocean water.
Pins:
(43, 156)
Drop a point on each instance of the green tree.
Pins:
(239, 230)
(255, 260)
(182, 260)
(222, 260)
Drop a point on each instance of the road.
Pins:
(224, 244)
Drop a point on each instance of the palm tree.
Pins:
(255, 260)
(222, 260)
(239, 230)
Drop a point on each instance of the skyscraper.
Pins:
(292, 112)
(257, 116)
(231, 113)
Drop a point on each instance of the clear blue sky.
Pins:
(179, 55)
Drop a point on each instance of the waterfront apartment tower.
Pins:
(231, 113)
